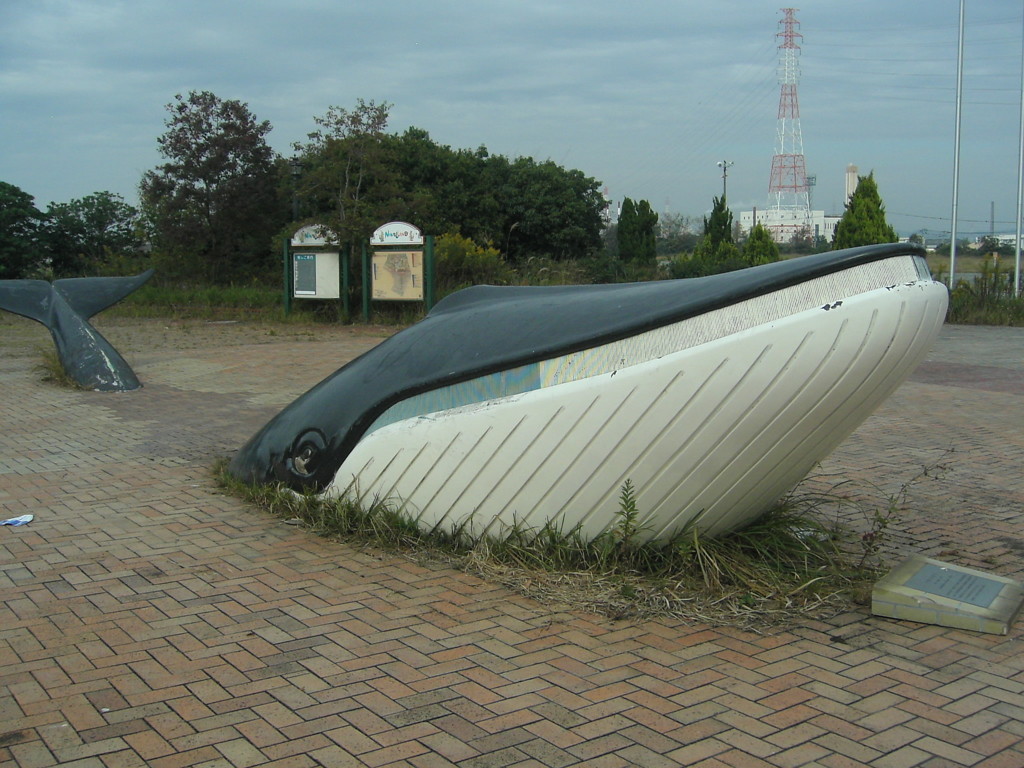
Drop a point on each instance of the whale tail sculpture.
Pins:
(64, 307)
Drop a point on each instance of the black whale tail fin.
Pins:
(65, 307)
(89, 295)
(28, 298)
(84, 295)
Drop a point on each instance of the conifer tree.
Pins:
(626, 230)
(864, 222)
(717, 243)
(635, 231)
(718, 229)
(761, 247)
(647, 222)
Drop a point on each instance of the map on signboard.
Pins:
(397, 275)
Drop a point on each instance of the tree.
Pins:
(447, 190)
(344, 169)
(635, 232)
(863, 222)
(804, 241)
(19, 231)
(991, 246)
(356, 177)
(760, 247)
(717, 244)
(627, 233)
(83, 236)
(213, 207)
(557, 213)
(647, 224)
(675, 234)
(610, 242)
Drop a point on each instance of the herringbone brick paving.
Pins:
(148, 619)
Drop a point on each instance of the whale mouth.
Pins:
(307, 454)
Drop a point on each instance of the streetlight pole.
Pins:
(295, 165)
(296, 168)
(724, 165)
(508, 237)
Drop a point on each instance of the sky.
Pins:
(646, 96)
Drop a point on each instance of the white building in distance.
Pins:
(785, 223)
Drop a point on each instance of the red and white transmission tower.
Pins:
(789, 209)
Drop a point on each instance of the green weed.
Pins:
(379, 522)
(987, 299)
(874, 540)
(52, 370)
(627, 525)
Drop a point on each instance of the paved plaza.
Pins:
(148, 619)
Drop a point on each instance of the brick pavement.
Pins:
(148, 619)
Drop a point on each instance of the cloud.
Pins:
(645, 97)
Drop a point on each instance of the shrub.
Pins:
(697, 266)
(987, 300)
(459, 263)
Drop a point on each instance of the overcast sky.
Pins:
(645, 96)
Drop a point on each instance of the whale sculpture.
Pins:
(64, 307)
(532, 406)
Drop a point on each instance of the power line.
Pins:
(946, 218)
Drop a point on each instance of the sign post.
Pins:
(429, 279)
(286, 260)
(400, 266)
(314, 267)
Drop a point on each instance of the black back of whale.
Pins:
(64, 307)
(486, 329)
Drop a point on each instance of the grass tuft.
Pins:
(52, 370)
(796, 560)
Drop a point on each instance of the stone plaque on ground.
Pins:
(933, 592)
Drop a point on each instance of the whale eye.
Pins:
(307, 453)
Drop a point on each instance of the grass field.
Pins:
(965, 264)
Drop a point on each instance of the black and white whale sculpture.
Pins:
(64, 307)
(529, 406)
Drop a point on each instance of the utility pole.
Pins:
(1020, 176)
(724, 165)
(956, 148)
